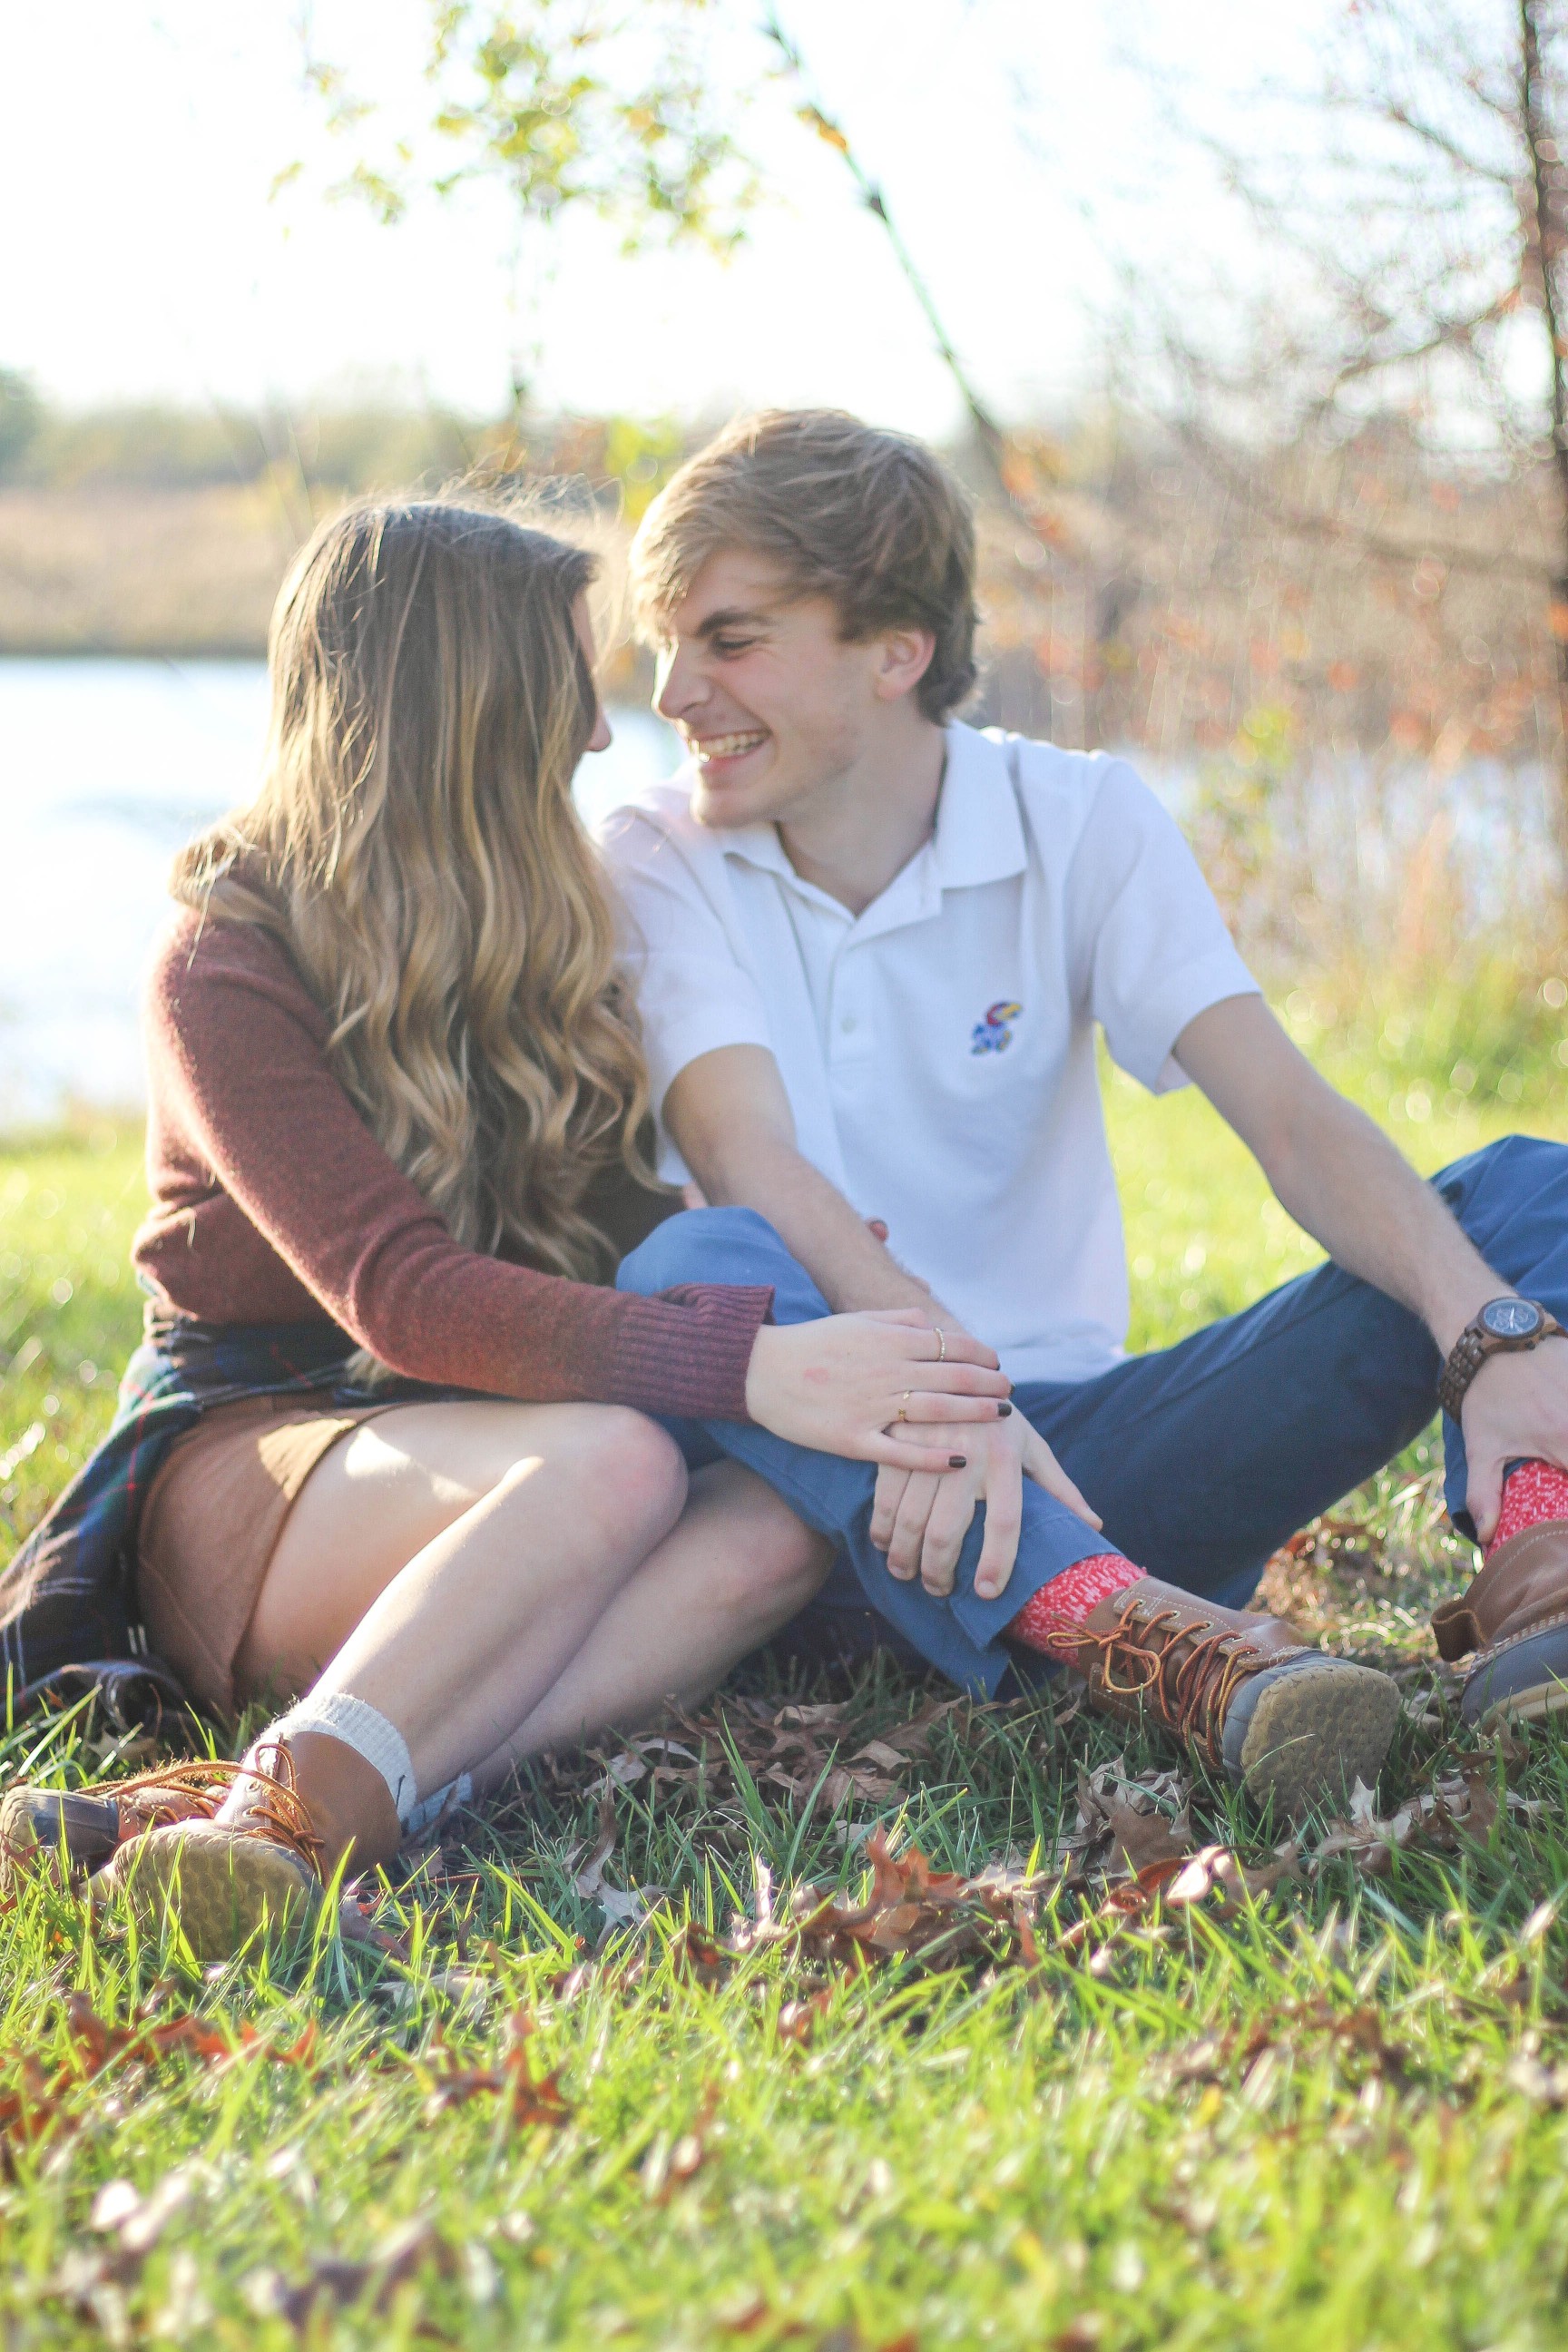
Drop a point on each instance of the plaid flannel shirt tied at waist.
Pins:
(67, 1600)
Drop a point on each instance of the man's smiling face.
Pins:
(776, 707)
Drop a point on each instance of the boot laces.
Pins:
(1193, 1693)
(197, 1787)
(277, 1812)
(194, 1791)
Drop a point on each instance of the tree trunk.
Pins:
(1543, 168)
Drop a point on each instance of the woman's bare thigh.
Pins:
(373, 1501)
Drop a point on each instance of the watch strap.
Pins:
(1475, 1344)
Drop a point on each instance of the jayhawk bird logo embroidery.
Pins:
(995, 1034)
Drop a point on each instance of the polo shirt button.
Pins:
(848, 1022)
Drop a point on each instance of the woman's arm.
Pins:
(237, 1067)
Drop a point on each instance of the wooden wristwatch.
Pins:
(1503, 1327)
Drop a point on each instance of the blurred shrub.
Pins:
(21, 412)
(1485, 1028)
(154, 446)
(641, 456)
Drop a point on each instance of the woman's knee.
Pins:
(630, 1472)
(771, 1563)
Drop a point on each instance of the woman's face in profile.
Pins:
(599, 741)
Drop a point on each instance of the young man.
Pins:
(873, 946)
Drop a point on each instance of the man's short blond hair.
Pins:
(872, 520)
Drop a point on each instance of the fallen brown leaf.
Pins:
(1255, 2056)
(1461, 1804)
(1142, 1838)
(530, 2100)
(38, 2100)
(798, 2020)
(1125, 1823)
(1081, 2335)
(332, 2280)
(669, 2161)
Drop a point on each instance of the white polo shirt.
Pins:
(938, 1048)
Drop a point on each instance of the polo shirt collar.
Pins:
(979, 835)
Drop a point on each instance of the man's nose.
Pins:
(681, 686)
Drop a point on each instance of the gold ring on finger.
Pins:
(940, 1343)
(903, 1410)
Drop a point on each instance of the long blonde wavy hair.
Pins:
(414, 845)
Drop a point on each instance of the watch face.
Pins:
(1511, 1318)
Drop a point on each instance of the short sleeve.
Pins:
(1147, 941)
(694, 993)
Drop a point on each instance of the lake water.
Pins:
(106, 767)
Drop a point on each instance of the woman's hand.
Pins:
(920, 1522)
(863, 1386)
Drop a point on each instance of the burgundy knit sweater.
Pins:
(272, 1202)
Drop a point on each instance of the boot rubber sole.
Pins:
(46, 1823)
(1525, 1676)
(224, 1890)
(1317, 1726)
(1525, 1707)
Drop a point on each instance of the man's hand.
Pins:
(921, 1521)
(1516, 1408)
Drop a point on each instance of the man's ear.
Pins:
(905, 657)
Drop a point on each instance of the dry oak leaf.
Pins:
(1461, 1804)
(1292, 2025)
(622, 1907)
(1125, 1823)
(40, 2099)
(1181, 1882)
(912, 1911)
(1138, 1839)
(335, 2281)
(530, 2100)
(1544, 2086)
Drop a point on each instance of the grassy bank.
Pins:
(1334, 2115)
(128, 571)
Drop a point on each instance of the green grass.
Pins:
(1337, 2118)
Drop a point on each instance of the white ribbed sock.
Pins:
(363, 1728)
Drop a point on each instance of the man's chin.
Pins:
(722, 808)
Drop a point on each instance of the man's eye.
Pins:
(727, 648)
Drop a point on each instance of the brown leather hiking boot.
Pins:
(1514, 1619)
(226, 1884)
(1279, 1719)
(84, 1827)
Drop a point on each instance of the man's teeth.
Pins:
(729, 747)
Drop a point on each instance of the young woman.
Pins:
(397, 1146)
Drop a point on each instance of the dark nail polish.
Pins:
(958, 1461)
(1003, 1410)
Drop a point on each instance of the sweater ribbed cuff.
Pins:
(696, 1369)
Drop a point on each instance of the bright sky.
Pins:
(1018, 143)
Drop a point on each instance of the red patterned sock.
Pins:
(1069, 1598)
(1533, 1491)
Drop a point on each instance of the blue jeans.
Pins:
(1202, 1458)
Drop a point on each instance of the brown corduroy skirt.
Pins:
(211, 1523)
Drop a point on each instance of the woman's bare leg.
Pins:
(392, 1486)
(446, 1562)
(539, 1604)
(736, 1568)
